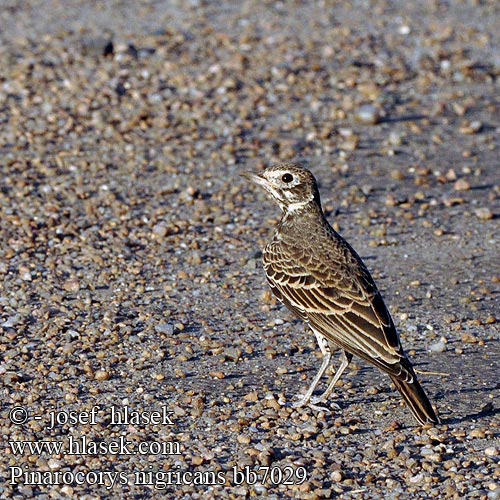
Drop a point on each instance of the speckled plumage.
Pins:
(318, 275)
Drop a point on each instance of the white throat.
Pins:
(296, 207)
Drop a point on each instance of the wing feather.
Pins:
(343, 304)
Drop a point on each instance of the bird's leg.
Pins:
(346, 359)
(327, 354)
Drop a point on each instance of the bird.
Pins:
(316, 274)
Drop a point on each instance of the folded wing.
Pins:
(340, 301)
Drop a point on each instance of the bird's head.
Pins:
(293, 187)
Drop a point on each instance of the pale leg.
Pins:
(327, 354)
(346, 359)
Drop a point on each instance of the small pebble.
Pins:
(25, 273)
(242, 439)
(165, 328)
(473, 127)
(395, 139)
(252, 396)
(439, 346)
(54, 464)
(336, 476)
(232, 353)
(72, 285)
(451, 175)
(368, 114)
(102, 375)
(461, 185)
(483, 213)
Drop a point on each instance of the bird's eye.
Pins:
(287, 178)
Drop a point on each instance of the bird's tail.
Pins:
(416, 399)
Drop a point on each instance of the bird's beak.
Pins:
(261, 181)
(255, 178)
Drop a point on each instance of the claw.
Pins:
(300, 403)
(309, 402)
(319, 408)
(320, 399)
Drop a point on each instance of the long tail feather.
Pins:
(416, 399)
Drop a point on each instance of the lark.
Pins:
(316, 274)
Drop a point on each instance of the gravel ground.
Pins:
(130, 272)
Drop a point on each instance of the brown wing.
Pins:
(339, 299)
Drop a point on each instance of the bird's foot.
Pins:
(319, 408)
(309, 402)
(302, 401)
(319, 399)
